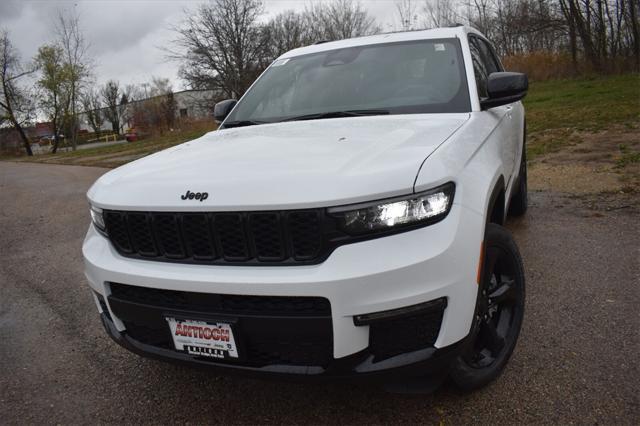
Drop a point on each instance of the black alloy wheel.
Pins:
(499, 312)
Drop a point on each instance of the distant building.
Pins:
(10, 141)
(197, 104)
(190, 104)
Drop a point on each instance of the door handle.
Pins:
(509, 109)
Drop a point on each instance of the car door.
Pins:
(485, 63)
(514, 110)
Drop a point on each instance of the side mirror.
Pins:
(505, 88)
(223, 108)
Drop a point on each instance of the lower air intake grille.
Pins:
(270, 330)
(395, 336)
(222, 303)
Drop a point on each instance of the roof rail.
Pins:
(457, 24)
(321, 41)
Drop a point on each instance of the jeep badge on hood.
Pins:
(197, 196)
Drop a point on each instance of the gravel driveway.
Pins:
(577, 359)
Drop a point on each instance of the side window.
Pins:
(491, 62)
(479, 67)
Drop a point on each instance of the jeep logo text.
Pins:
(195, 196)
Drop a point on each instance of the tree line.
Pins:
(58, 84)
(223, 45)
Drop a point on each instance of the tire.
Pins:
(520, 201)
(498, 314)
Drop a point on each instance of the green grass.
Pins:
(584, 104)
(558, 110)
(116, 155)
(541, 143)
(628, 158)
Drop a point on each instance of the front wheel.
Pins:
(498, 315)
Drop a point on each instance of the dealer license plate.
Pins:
(210, 339)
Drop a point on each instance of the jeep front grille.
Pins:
(272, 237)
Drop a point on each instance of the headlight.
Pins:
(97, 218)
(417, 209)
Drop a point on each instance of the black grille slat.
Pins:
(197, 236)
(167, 233)
(305, 230)
(266, 236)
(139, 226)
(116, 223)
(229, 229)
(261, 237)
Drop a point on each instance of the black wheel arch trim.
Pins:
(498, 190)
(523, 155)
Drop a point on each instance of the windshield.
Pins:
(425, 76)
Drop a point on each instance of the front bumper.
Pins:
(430, 363)
(435, 262)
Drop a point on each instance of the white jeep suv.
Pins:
(345, 221)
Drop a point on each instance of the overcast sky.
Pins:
(126, 36)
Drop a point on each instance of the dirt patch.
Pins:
(591, 163)
(572, 179)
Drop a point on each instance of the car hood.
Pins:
(283, 165)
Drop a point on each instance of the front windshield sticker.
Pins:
(439, 47)
(280, 62)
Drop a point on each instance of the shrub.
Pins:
(543, 65)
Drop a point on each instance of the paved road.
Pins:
(577, 359)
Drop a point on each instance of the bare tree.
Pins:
(160, 86)
(133, 92)
(130, 93)
(581, 20)
(632, 22)
(339, 19)
(287, 31)
(93, 110)
(156, 113)
(222, 46)
(480, 12)
(16, 107)
(440, 13)
(407, 14)
(112, 96)
(163, 104)
(74, 47)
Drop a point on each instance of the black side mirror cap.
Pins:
(505, 88)
(223, 108)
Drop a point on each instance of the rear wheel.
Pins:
(499, 313)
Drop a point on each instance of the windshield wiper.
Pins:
(339, 114)
(242, 123)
